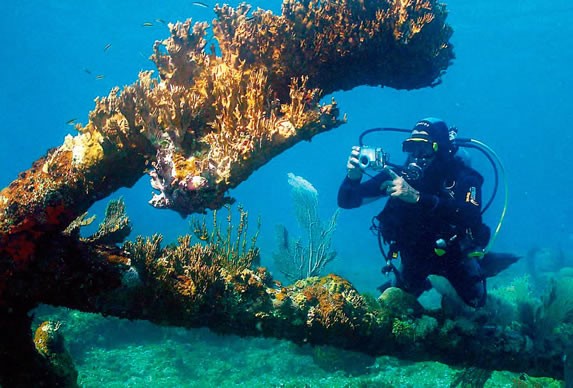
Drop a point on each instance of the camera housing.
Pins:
(373, 158)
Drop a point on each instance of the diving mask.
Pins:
(421, 153)
(419, 147)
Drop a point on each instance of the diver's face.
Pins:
(421, 154)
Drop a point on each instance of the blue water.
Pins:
(509, 86)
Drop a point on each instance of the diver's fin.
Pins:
(493, 262)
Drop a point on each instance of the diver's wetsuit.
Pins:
(450, 209)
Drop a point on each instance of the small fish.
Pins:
(147, 24)
(107, 47)
(100, 76)
(161, 21)
(71, 121)
(87, 71)
(199, 4)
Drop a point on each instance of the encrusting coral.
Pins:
(211, 117)
(50, 344)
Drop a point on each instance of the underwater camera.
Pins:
(372, 158)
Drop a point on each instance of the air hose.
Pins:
(490, 154)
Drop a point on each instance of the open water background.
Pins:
(509, 86)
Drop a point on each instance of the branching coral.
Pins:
(340, 44)
(219, 121)
(231, 251)
(115, 227)
(199, 275)
(182, 274)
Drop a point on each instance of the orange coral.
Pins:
(330, 301)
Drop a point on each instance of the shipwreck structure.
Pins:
(200, 126)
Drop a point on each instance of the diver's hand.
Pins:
(353, 170)
(399, 188)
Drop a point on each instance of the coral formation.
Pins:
(222, 121)
(50, 344)
(115, 227)
(234, 252)
(557, 306)
(303, 258)
(173, 275)
(341, 44)
(199, 278)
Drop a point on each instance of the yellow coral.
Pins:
(185, 167)
(403, 330)
(85, 148)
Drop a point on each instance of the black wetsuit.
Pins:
(449, 209)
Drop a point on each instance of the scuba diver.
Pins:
(433, 217)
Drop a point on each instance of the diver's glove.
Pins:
(399, 188)
(353, 170)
